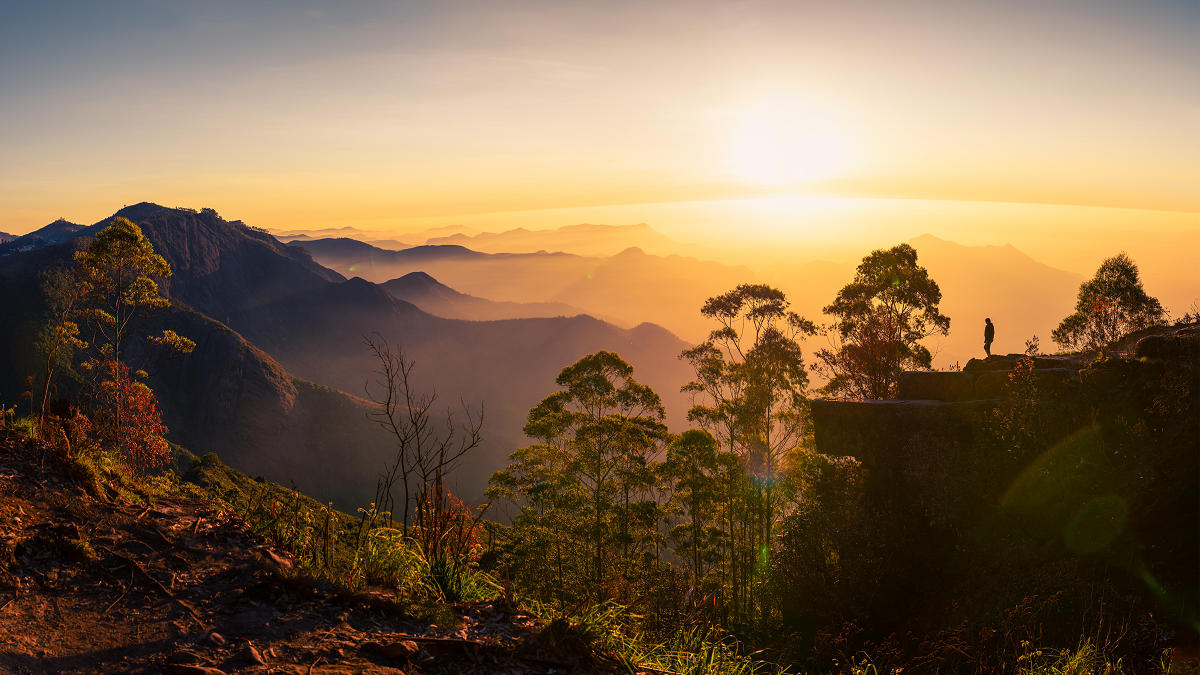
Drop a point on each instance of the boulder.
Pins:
(993, 362)
(1180, 344)
(935, 386)
(996, 384)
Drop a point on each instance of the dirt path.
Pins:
(89, 586)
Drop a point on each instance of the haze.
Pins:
(758, 134)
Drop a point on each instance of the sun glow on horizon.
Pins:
(786, 139)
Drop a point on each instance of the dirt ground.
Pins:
(108, 586)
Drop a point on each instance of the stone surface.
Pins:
(993, 362)
(923, 385)
(996, 384)
(1181, 343)
(250, 655)
(878, 433)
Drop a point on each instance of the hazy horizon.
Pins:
(307, 114)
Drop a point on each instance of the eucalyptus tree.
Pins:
(117, 272)
(602, 433)
(750, 391)
(113, 289)
(693, 473)
(1110, 305)
(880, 318)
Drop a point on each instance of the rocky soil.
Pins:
(108, 586)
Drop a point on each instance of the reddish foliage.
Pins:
(130, 420)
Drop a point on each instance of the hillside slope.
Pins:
(312, 324)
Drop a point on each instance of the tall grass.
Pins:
(1083, 660)
(611, 628)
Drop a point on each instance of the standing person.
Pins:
(989, 334)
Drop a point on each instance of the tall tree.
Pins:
(1110, 305)
(114, 276)
(693, 471)
(59, 340)
(118, 268)
(750, 391)
(609, 425)
(881, 317)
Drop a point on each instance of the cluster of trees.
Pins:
(609, 504)
(607, 495)
(109, 296)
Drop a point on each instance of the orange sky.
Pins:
(385, 114)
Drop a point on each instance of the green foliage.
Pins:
(58, 339)
(750, 393)
(611, 629)
(881, 316)
(588, 489)
(1086, 659)
(1110, 305)
(328, 544)
(693, 479)
(26, 425)
(116, 270)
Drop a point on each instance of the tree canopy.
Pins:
(1110, 305)
(880, 317)
(592, 476)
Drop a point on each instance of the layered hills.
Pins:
(1022, 296)
(439, 299)
(632, 285)
(275, 382)
(585, 240)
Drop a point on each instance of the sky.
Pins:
(715, 122)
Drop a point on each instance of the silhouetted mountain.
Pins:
(352, 255)
(59, 230)
(375, 237)
(632, 286)
(311, 323)
(586, 240)
(231, 398)
(438, 299)
(344, 233)
(6, 237)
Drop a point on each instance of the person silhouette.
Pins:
(989, 334)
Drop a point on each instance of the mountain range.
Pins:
(585, 240)
(632, 286)
(439, 299)
(275, 384)
(1022, 296)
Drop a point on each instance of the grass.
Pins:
(695, 650)
(1084, 660)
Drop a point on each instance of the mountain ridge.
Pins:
(311, 321)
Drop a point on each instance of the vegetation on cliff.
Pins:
(1043, 512)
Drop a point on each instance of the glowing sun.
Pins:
(787, 140)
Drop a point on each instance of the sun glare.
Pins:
(788, 140)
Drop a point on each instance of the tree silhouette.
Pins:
(750, 391)
(1110, 305)
(599, 437)
(117, 269)
(881, 316)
